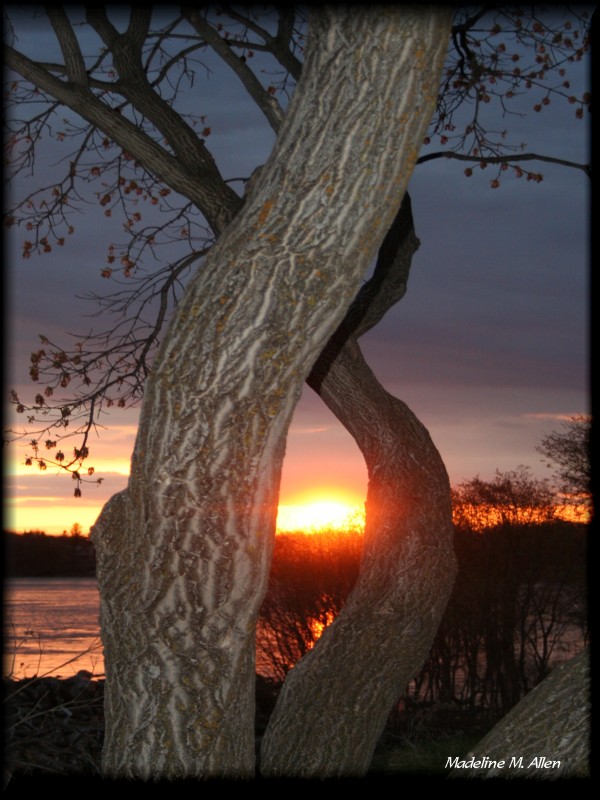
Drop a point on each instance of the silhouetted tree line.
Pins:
(518, 607)
(37, 555)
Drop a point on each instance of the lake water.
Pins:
(51, 626)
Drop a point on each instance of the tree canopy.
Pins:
(568, 451)
(511, 498)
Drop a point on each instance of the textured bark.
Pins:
(184, 552)
(334, 703)
(551, 724)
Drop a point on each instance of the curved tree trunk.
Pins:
(335, 701)
(545, 736)
(184, 552)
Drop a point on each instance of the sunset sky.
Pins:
(489, 346)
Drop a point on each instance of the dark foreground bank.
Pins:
(55, 726)
(54, 730)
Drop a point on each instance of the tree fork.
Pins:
(184, 553)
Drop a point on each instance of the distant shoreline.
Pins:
(35, 554)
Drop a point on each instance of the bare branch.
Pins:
(199, 181)
(499, 54)
(278, 45)
(116, 359)
(267, 104)
(587, 168)
(74, 63)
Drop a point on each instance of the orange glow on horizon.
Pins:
(483, 518)
(42, 500)
(575, 513)
(51, 519)
(113, 466)
(321, 510)
(309, 512)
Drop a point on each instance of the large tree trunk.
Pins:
(335, 701)
(184, 552)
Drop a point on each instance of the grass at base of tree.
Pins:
(424, 757)
(419, 740)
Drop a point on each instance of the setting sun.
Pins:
(314, 513)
